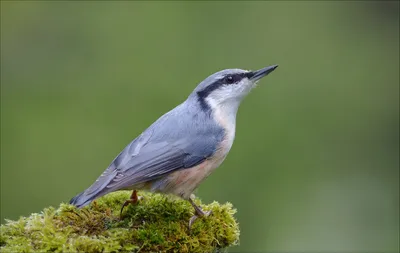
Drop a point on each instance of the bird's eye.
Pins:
(229, 79)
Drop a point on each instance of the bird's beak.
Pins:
(258, 74)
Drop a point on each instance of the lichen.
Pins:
(157, 223)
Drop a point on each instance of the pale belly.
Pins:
(184, 182)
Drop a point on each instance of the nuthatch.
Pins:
(178, 151)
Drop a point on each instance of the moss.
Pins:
(157, 224)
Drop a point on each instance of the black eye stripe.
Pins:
(202, 94)
(233, 78)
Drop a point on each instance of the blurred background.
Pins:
(315, 163)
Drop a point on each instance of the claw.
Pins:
(133, 200)
(198, 213)
(194, 218)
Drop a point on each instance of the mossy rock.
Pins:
(157, 223)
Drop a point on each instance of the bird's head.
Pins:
(228, 87)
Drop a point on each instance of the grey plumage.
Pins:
(200, 129)
(150, 156)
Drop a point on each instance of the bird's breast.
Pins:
(226, 119)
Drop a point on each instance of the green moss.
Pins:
(157, 223)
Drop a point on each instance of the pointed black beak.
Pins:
(258, 74)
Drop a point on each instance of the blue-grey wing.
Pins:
(144, 160)
(181, 138)
(156, 160)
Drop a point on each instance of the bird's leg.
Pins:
(132, 200)
(198, 213)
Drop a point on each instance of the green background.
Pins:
(315, 164)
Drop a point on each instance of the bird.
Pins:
(182, 147)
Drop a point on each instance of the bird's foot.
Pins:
(194, 218)
(198, 213)
(134, 199)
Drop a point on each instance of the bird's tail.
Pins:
(86, 197)
(80, 200)
(96, 190)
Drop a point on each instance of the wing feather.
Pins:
(130, 151)
(154, 161)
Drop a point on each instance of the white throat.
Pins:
(224, 113)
